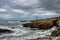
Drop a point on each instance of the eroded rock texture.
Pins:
(44, 24)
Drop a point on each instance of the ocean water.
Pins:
(22, 33)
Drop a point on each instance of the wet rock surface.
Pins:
(3, 31)
(56, 33)
(54, 36)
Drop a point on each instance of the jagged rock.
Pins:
(56, 33)
(44, 24)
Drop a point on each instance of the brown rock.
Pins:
(44, 24)
(48, 38)
(56, 38)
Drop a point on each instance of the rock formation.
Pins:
(44, 24)
(3, 31)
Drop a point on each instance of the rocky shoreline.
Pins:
(46, 25)
(43, 24)
(54, 36)
(48, 38)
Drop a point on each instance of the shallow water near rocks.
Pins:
(21, 33)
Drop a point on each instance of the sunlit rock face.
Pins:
(43, 24)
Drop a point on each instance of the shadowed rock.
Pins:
(3, 31)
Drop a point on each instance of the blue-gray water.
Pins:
(21, 33)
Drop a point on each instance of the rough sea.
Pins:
(22, 33)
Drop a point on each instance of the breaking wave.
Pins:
(21, 33)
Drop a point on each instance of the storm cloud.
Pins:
(28, 9)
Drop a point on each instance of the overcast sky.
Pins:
(28, 9)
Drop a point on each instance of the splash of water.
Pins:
(21, 33)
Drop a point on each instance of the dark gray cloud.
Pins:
(46, 4)
(51, 4)
(28, 9)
